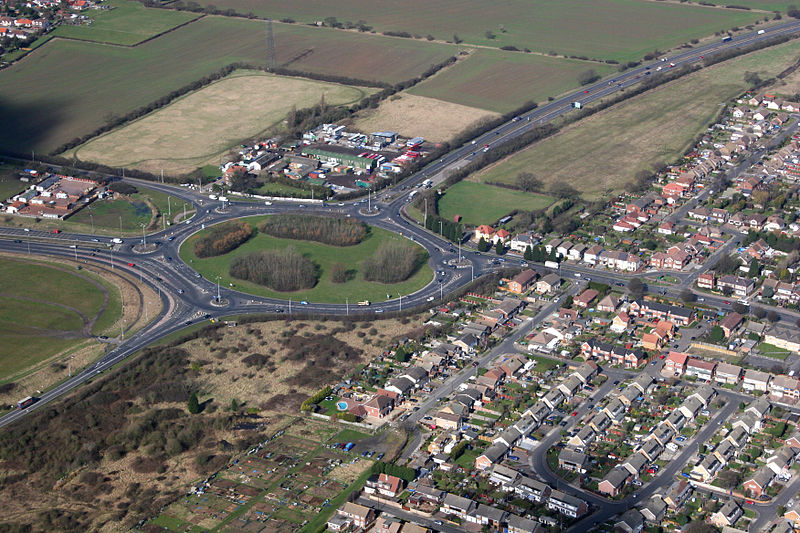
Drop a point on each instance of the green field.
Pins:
(766, 5)
(622, 30)
(502, 81)
(602, 153)
(479, 203)
(96, 82)
(9, 181)
(48, 309)
(127, 23)
(772, 351)
(324, 256)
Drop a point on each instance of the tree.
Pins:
(727, 264)
(234, 404)
(499, 248)
(716, 335)
(489, 34)
(568, 301)
(527, 182)
(793, 12)
(752, 78)
(483, 246)
(635, 288)
(687, 295)
(456, 38)
(773, 317)
(758, 312)
(588, 76)
(528, 255)
(193, 405)
(755, 268)
(739, 308)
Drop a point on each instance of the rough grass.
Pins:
(325, 256)
(501, 81)
(603, 152)
(97, 81)
(9, 182)
(127, 23)
(479, 203)
(608, 29)
(411, 115)
(202, 126)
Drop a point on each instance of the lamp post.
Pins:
(120, 226)
(218, 291)
(144, 238)
(471, 266)
(347, 307)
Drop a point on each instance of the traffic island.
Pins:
(144, 248)
(369, 212)
(221, 302)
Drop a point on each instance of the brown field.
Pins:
(274, 386)
(347, 473)
(412, 115)
(603, 152)
(787, 87)
(199, 128)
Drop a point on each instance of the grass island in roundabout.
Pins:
(314, 258)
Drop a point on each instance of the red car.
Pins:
(749, 502)
(726, 302)
(56, 231)
(586, 92)
(574, 413)
(661, 356)
(130, 264)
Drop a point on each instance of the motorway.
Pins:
(187, 297)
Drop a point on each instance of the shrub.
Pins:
(393, 262)
(337, 231)
(123, 188)
(281, 270)
(223, 238)
(339, 273)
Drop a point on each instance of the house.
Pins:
(548, 283)
(780, 461)
(586, 372)
(738, 285)
(518, 524)
(600, 422)
(727, 373)
(608, 304)
(522, 241)
(484, 232)
(503, 476)
(793, 514)
(738, 436)
(725, 452)
(566, 504)
(755, 380)
(675, 363)
(570, 386)
(748, 422)
(615, 410)
(731, 322)
(690, 407)
(338, 522)
(401, 386)
(783, 337)
(629, 395)
(614, 481)
(508, 437)
(586, 298)
(553, 398)
(522, 282)
(634, 463)
(583, 438)
(676, 420)
(654, 510)
(706, 469)
(643, 382)
(758, 482)
(592, 254)
(456, 505)
(501, 236)
(703, 370)
(704, 395)
(677, 494)
(663, 433)
(631, 521)
(385, 485)
(785, 386)
(727, 515)
(706, 281)
(532, 489)
(651, 341)
(379, 406)
(571, 460)
(651, 449)
(361, 516)
(621, 322)
(486, 515)
(490, 456)
(448, 420)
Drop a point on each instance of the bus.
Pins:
(26, 402)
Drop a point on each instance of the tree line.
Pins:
(336, 231)
(223, 238)
(392, 262)
(280, 270)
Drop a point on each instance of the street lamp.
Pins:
(472, 266)
(120, 226)
(144, 238)
(218, 291)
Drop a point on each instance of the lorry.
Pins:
(427, 183)
(25, 402)
(577, 105)
(116, 240)
(363, 302)
(726, 38)
(551, 264)
(411, 195)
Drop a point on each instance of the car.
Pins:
(429, 299)
(95, 240)
(278, 310)
(563, 423)
(474, 363)
(661, 356)
(26, 229)
(188, 322)
(168, 258)
(379, 311)
(416, 408)
(197, 275)
(56, 231)
(380, 456)
(303, 302)
(302, 205)
(701, 57)
(726, 302)
(427, 418)
(131, 264)
(171, 238)
(574, 413)
(17, 241)
(749, 502)
(180, 291)
(653, 363)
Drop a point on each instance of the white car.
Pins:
(430, 298)
(267, 203)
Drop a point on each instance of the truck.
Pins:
(726, 38)
(363, 302)
(577, 105)
(116, 240)
(427, 183)
(411, 195)
(25, 402)
(551, 264)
